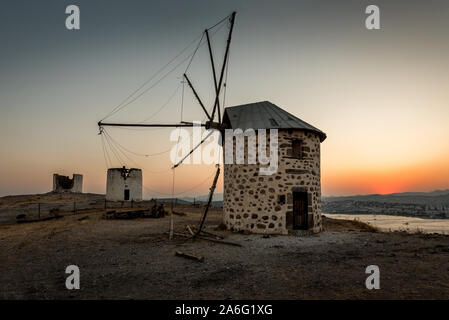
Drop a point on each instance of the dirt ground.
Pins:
(50, 197)
(133, 259)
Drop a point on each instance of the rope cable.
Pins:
(222, 20)
(163, 106)
(114, 152)
(185, 191)
(149, 88)
(106, 156)
(171, 228)
(136, 153)
(194, 52)
(152, 77)
(118, 148)
(125, 102)
(110, 150)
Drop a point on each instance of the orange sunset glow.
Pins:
(380, 96)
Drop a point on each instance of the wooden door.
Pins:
(126, 194)
(300, 210)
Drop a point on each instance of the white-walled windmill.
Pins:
(124, 184)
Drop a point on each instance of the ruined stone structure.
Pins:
(65, 184)
(286, 200)
(124, 184)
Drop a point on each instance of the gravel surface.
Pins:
(133, 259)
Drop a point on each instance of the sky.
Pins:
(381, 96)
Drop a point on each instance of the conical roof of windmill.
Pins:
(265, 115)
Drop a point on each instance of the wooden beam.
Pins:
(168, 125)
(189, 256)
(197, 97)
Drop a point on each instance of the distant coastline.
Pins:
(427, 205)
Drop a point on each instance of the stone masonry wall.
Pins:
(65, 184)
(253, 202)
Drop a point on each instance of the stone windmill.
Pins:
(286, 200)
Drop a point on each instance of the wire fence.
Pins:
(40, 210)
(43, 210)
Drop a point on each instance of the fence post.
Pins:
(74, 206)
(39, 210)
(105, 204)
(132, 203)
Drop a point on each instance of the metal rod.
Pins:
(197, 97)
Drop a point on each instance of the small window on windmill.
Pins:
(296, 149)
(281, 199)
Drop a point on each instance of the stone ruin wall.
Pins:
(65, 184)
(251, 201)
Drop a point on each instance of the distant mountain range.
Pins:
(432, 193)
(435, 197)
(205, 197)
(433, 204)
(217, 200)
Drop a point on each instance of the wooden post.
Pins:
(132, 203)
(211, 194)
(39, 211)
(105, 206)
(74, 206)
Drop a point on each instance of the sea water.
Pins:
(398, 223)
